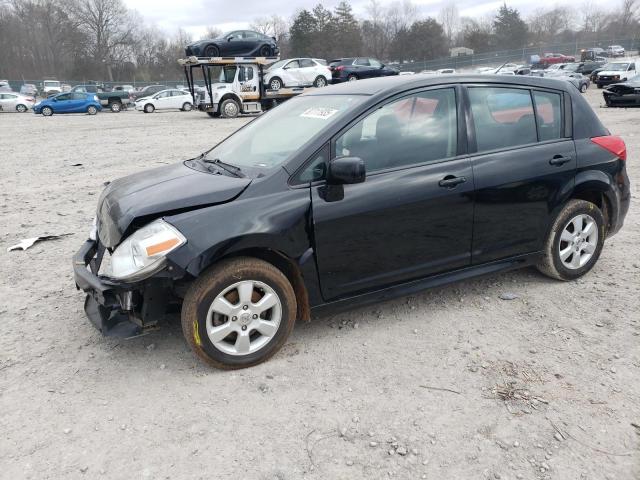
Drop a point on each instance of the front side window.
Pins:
(503, 117)
(292, 64)
(66, 96)
(412, 130)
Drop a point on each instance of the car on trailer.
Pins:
(236, 43)
(234, 85)
(297, 72)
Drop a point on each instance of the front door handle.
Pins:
(559, 160)
(450, 181)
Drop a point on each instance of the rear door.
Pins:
(413, 215)
(524, 165)
(308, 71)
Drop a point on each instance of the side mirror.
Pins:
(382, 66)
(346, 170)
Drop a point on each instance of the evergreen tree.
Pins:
(302, 34)
(348, 36)
(510, 29)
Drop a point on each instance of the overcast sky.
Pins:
(195, 15)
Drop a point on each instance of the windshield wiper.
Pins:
(232, 169)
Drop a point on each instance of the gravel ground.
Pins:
(455, 383)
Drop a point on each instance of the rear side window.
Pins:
(503, 117)
(548, 115)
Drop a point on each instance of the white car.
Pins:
(614, 72)
(14, 102)
(615, 51)
(169, 99)
(446, 71)
(297, 72)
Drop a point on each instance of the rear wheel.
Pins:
(352, 78)
(320, 82)
(21, 108)
(212, 51)
(574, 242)
(47, 111)
(149, 108)
(239, 313)
(115, 107)
(91, 110)
(187, 107)
(229, 108)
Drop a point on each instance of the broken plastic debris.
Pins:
(29, 242)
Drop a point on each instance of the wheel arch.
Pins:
(231, 95)
(596, 187)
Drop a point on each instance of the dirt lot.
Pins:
(455, 383)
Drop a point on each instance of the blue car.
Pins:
(70, 102)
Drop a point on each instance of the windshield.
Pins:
(616, 67)
(272, 139)
(571, 67)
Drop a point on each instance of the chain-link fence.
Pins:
(520, 55)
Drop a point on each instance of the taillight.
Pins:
(340, 68)
(613, 144)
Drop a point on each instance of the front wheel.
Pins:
(46, 111)
(149, 108)
(320, 82)
(275, 83)
(91, 110)
(186, 107)
(239, 313)
(574, 242)
(212, 51)
(229, 108)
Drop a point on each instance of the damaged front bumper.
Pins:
(118, 309)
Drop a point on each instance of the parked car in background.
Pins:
(68, 102)
(246, 43)
(614, 72)
(586, 68)
(460, 185)
(623, 94)
(577, 79)
(51, 87)
(297, 72)
(358, 68)
(147, 91)
(615, 51)
(29, 90)
(595, 54)
(115, 100)
(170, 99)
(15, 102)
(551, 58)
(446, 71)
(4, 86)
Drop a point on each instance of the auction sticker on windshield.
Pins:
(319, 112)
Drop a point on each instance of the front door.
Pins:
(247, 79)
(413, 215)
(525, 163)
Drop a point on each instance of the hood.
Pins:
(143, 99)
(622, 73)
(150, 194)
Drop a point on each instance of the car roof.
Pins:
(400, 83)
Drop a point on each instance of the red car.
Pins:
(551, 58)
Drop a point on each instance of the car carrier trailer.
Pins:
(233, 85)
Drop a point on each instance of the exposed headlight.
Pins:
(143, 252)
(95, 97)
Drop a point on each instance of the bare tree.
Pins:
(211, 32)
(450, 19)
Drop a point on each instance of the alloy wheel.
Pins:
(21, 108)
(578, 241)
(244, 317)
(275, 84)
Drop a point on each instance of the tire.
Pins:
(576, 212)
(275, 84)
(320, 82)
(229, 108)
(221, 285)
(265, 51)
(214, 114)
(352, 78)
(186, 107)
(20, 108)
(211, 51)
(116, 107)
(91, 110)
(148, 108)
(46, 111)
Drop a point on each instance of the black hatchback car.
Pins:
(234, 44)
(358, 68)
(353, 194)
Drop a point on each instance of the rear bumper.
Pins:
(118, 309)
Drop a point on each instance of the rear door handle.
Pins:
(450, 181)
(559, 160)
